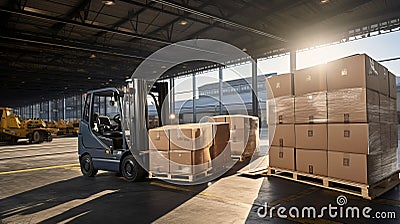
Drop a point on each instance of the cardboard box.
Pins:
(237, 121)
(357, 71)
(190, 136)
(353, 105)
(281, 110)
(221, 135)
(279, 85)
(389, 162)
(360, 168)
(282, 157)
(159, 161)
(186, 162)
(384, 109)
(310, 80)
(383, 80)
(385, 137)
(311, 136)
(393, 129)
(311, 108)
(159, 138)
(354, 138)
(244, 142)
(221, 157)
(283, 135)
(392, 85)
(393, 111)
(312, 161)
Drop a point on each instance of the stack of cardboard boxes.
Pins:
(244, 133)
(187, 149)
(345, 121)
(281, 119)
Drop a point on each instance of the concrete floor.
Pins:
(43, 183)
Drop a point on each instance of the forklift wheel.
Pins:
(87, 167)
(130, 169)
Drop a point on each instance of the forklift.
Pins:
(116, 139)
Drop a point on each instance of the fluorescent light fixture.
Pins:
(183, 22)
(108, 2)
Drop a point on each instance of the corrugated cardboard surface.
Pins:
(311, 136)
(352, 72)
(393, 135)
(311, 108)
(393, 110)
(282, 157)
(221, 134)
(221, 159)
(385, 137)
(159, 161)
(310, 80)
(312, 161)
(190, 157)
(384, 109)
(159, 138)
(281, 110)
(354, 138)
(238, 121)
(392, 85)
(281, 85)
(353, 105)
(389, 162)
(359, 168)
(383, 80)
(237, 148)
(190, 136)
(239, 145)
(283, 136)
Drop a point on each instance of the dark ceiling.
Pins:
(55, 48)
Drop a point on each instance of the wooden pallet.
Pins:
(180, 177)
(362, 190)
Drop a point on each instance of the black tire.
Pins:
(49, 138)
(36, 137)
(131, 170)
(87, 167)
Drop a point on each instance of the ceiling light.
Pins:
(108, 2)
(92, 56)
(324, 1)
(244, 49)
(89, 77)
(183, 22)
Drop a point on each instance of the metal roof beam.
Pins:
(183, 16)
(75, 12)
(86, 25)
(219, 19)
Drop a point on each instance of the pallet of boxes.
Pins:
(188, 152)
(336, 126)
(244, 134)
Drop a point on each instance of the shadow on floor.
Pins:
(284, 193)
(69, 200)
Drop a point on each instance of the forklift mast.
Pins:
(136, 115)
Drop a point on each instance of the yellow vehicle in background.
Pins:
(68, 128)
(13, 128)
(52, 126)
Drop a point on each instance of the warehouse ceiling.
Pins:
(55, 48)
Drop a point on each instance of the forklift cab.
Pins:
(113, 131)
